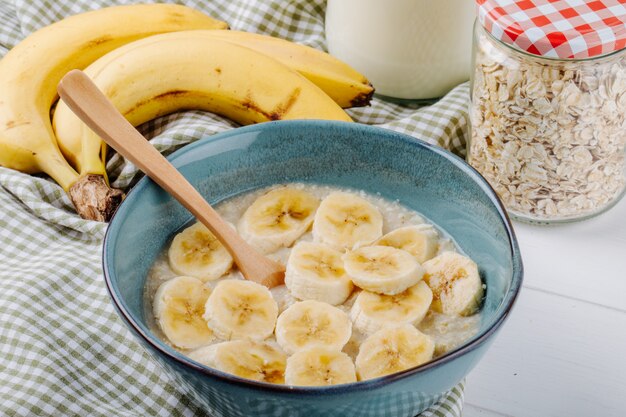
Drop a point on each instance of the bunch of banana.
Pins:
(29, 75)
(455, 282)
(245, 77)
(248, 359)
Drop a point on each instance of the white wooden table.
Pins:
(562, 351)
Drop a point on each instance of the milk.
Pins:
(409, 49)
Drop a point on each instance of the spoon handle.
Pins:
(85, 99)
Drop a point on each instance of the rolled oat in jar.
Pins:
(548, 111)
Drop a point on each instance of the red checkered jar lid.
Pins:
(565, 29)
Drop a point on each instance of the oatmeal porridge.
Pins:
(371, 288)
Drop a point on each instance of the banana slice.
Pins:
(319, 366)
(393, 350)
(382, 269)
(178, 308)
(372, 311)
(345, 220)
(421, 241)
(248, 359)
(239, 309)
(312, 323)
(278, 218)
(196, 252)
(454, 279)
(315, 272)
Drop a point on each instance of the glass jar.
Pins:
(408, 49)
(549, 134)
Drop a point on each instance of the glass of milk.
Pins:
(408, 49)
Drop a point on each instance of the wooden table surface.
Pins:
(562, 351)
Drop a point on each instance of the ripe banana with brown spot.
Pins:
(341, 82)
(29, 75)
(193, 70)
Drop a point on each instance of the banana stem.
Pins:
(93, 198)
(90, 194)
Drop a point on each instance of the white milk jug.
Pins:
(408, 49)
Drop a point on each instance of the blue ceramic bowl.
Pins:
(428, 179)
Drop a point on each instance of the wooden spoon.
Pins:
(96, 111)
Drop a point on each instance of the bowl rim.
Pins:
(509, 299)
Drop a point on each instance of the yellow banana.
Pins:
(29, 75)
(191, 70)
(341, 82)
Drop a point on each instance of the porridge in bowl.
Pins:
(371, 288)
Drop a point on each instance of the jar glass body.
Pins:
(408, 49)
(548, 134)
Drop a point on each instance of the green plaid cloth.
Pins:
(63, 349)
